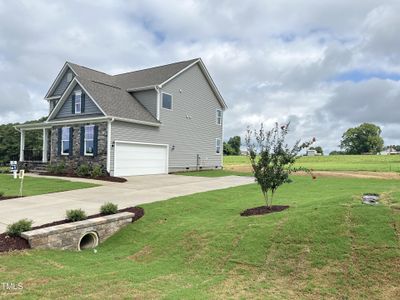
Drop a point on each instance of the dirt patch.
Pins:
(351, 174)
(8, 243)
(142, 255)
(262, 210)
(101, 178)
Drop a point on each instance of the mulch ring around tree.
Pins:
(10, 243)
(263, 210)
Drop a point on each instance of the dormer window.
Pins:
(78, 102)
(69, 77)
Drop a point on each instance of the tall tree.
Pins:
(235, 142)
(365, 138)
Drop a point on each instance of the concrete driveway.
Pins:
(137, 190)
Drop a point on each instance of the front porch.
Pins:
(31, 154)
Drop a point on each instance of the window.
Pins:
(89, 137)
(219, 117)
(166, 101)
(69, 77)
(65, 140)
(78, 102)
(218, 146)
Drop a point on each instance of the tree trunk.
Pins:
(265, 197)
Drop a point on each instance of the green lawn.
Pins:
(326, 245)
(36, 186)
(375, 163)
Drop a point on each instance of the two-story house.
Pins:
(152, 121)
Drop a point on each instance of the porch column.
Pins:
(22, 146)
(44, 154)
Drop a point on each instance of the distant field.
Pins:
(374, 163)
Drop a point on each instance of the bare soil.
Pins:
(351, 174)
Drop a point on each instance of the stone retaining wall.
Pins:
(67, 236)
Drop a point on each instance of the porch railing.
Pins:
(33, 155)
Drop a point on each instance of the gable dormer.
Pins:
(60, 84)
(75, 103)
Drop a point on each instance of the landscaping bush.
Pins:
(56, 168)
(17, 228)
(109, 208)
(97, 171)
(1, 194)
(74, 215)
(83, 170)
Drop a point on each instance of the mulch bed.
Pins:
(262, 210)
(102, 178)
(9, 243)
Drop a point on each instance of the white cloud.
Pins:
(273, 61)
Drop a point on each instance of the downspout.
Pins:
(158, 90)
(109, 144)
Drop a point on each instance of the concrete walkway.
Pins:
(137, 190)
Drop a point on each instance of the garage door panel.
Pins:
(140, 159)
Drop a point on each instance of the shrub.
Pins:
(56, 168)
(97, 171)
(109, 208)
(74, 215)
(1, 194)
(17, 228)
(83, 170)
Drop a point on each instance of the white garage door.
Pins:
(140, 159)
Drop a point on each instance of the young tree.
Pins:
(365, 138)
(272, 159)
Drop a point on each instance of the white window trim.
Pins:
(216, 146)
(218, 118)
(85, 139)
(62, 141)
(172, 101)
(78, 93)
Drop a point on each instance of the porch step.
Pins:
(33, 166)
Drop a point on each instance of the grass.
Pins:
(374, 163)
(37, 186)
(326, 245)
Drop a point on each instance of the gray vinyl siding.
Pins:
(148, 99)
(62, 85)
(91, 108)
(190, 126)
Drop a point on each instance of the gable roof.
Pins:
(151, 76)
(112, 92)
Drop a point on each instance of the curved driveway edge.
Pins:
(137, 190)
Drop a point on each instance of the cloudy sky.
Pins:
(323, 65)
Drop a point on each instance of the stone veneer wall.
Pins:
(76, 159)
(67, 236)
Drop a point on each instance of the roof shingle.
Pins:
(110, 91)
